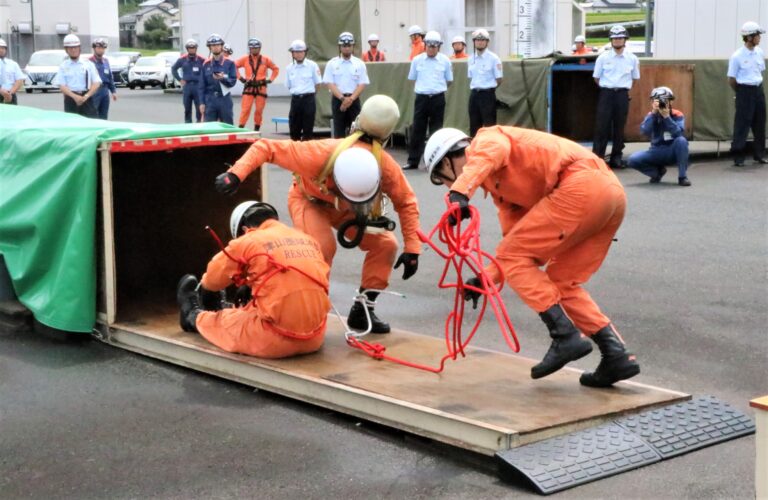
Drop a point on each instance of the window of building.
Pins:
(479, 13)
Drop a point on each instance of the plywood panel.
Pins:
(678, 77)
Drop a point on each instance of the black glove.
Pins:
(212, 301)
(410, 261)
(242, 296)
(471, 294)
(463, 201)
(227, 183)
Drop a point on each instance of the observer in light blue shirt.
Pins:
(747, 66)
(73, 75)
(484, 70)
(432, 74)
(302, 78)
(616, 71)
(10, 73)
(346, 74)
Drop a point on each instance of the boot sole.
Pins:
(627, 373)
(587, 349)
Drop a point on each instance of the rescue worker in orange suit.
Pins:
(373, 54)
(284, 313)
(559, 207)
(459, 47)
(417, 41)
(580, 46)
(338, 185)
(255, 81)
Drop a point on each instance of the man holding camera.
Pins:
(216, 82)
(666, 127)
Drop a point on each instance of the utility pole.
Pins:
(648, 26)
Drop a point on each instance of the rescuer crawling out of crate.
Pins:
(341, 184)
(559, 207)
(284, 271)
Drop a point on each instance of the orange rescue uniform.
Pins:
(460, 55)
(373, 55)
(582, 51)
(313, 211)
(289, 310)
(258, 65)
(559, 206)
(417, 48)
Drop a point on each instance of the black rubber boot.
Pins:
(567, 344)
(615, 364)
(257, 128)
(357, 320)
(189, 302)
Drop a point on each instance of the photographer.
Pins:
(665, 126)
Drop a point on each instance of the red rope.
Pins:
(463, 251)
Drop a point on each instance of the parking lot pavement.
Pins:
(685, 284)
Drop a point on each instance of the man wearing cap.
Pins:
(78, 80)
(615, 69)
(416, 35)
(107, 88)
(11, 76)
(485, 74)
(191, 66)
(745, 76)
(216, 82)
(346, 78)
(580, 46)
(373, 54)
(433, 74)
(302, 78)
(459, 47)
(255, 80)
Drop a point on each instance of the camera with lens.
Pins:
(663, 102)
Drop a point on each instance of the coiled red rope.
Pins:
(463, 252)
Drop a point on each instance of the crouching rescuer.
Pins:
(559, 207)
(285, 280)
(341, 185)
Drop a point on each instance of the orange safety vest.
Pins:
(373, 56)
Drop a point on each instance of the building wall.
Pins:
(390, 19)
(703, 28)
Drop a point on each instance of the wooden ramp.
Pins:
(486, 402)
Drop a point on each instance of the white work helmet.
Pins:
(248, 209)
(458, 39)
(2, 43)
(190, 43)
(356, 174)
(346, 38)
(71, 41)
(441, 143)
(415, 30)
(378, 117)
(297, 46)
(481, 34)
(618, 31)
(433, 38)
(662, 93)
(373, 37)
(751, 28)
(580, 39)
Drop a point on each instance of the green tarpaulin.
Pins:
(324, 20)
(48, 189)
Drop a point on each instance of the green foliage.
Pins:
(127, 6)
(156, 22)
(614, 17)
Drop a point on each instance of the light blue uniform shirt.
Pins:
(73, 75)
(747, 66)
(10, 72)
(346, 74)
(616, 71)
(432, 74)
(302, 78)
(483, 70)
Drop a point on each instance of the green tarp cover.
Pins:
(48, 189)
(324, 21)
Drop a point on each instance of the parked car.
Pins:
(150, 71)
(41, 69)
(120, 62)
(171, 57)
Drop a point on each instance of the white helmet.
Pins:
(662, 93)
(190, 43)
(415, 30)
(378, 117)
(249, 208)
(433, 37)
(2, 43)
(580, 39)
(618, 31)
(71, 41)
(297, 46)
(481, 34)
(373, 37)
(458, 39)
(751, 28)
(356, 174)
(441, 143)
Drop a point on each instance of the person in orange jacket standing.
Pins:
(459, 47)
(255, 81)
(559, 207)
(580, 46)
(286, 311)
(417, 41)
(373, 54)
(338, 184)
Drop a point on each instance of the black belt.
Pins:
(300, 96)
(746, 85)
(484, 90)
(80, 92)
(617, 89)
(347, 95)
(216, 93)
(430, 96)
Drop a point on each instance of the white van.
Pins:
(41, 68)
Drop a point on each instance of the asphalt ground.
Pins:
(686, 284)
